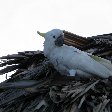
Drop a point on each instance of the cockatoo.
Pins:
(71, 61)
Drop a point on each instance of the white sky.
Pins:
(20, 20)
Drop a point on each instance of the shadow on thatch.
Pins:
(37, 87)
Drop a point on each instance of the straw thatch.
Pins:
(35, 86)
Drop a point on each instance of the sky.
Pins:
(21, 19)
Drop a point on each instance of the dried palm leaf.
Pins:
(36, 86)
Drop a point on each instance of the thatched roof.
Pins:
(37, 87)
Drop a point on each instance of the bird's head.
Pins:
(55, 37)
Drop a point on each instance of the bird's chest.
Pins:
(57, 58)
(60, 56)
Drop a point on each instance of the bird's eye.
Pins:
(54, 36)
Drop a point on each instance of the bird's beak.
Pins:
(59, 41)
(41, 34)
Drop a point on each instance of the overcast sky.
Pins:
(20, 20)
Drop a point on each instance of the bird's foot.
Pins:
(72, 72)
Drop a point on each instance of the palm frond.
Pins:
(36, 86)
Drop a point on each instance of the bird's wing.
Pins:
(103, 61)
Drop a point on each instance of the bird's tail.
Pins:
(103, 61)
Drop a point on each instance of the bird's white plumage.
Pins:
(70, 60)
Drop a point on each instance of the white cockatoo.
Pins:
(71, 61)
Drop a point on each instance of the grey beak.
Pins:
(59, 41)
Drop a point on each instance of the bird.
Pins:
(68, 60)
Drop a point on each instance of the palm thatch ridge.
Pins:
(36, 86)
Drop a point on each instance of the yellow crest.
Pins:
(41, 34)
